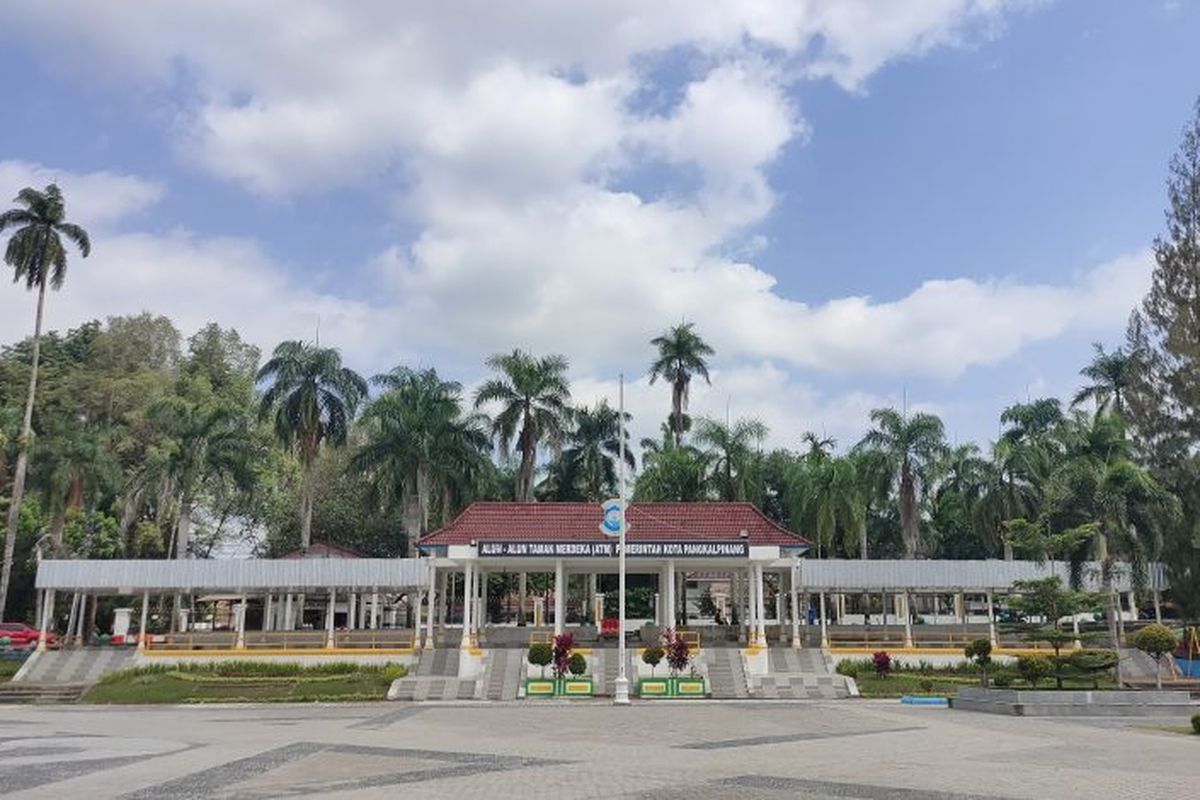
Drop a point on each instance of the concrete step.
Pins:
(42, 692)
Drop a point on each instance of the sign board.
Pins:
(610, 524)
(609, 549)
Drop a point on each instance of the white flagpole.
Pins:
(621, 685)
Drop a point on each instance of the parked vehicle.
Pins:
(21, 635)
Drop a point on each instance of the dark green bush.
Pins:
(540, 655)
(652, 656)
(1034, 669)
(578, 664)
(1196, 723)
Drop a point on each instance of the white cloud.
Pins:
(94, 199)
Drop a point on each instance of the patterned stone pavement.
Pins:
(872, 750)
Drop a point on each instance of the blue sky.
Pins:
(861, 201)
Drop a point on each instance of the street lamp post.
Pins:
(621, 685)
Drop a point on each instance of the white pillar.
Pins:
(480, 615)
(795, 597)
(991, 611)
(824, 630)
(751, 623)
(268, 608)
(671, 615)
(141, 645)
(433, 579)
(466, 621)
(1157, 607)
(329, 619)
(960, 608)
(760, 612)
(375, 609)
(287, 613)
(1075, 630)
(560, 588)
(240, 642)
(1133, 608)
(779, 602)
(47, 614)
(417, 621)
(352, 612)
(521, 596)
(908, 637)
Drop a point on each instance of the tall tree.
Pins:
(534, 398)
(38, 256)
(681, 354)
(828, 497)
(1109, 374)
(587, 468)
(312, 398)
(912, 446)
(418, 443)
(734, 451)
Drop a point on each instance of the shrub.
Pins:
(1093, 662)
(652, 656)
(541, 654)
(564, 643)
(853, 667)
(577, 665)
(1002, 680)
(882, 663)
(980, 651)
(679, 652)
(1155, 641)
(1196, 723)
(926, 685)
(393, 672)
(1034, 669)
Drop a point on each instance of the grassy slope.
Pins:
(158, 686)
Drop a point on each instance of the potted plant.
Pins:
(541, 654)
(569, 668)
(679, 658)
(653, 686)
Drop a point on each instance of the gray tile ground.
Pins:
(768, 750)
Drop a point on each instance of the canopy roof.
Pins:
(580, 522)
(848, 575)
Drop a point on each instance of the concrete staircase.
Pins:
(726, 676)
(83, 665)
(25, 692)
(502, 679)
(434, 678)
(799, 674)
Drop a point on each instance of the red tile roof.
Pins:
(648, 522)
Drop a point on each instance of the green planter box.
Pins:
(686, 686)
(574, 686)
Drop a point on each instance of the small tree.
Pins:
(1156, 641)
(980, 651)
(564, 643)
(540, 655)
(1034, 669)
(882, 663)
(679, 652)
(1094, 662)
(652, 656)
(577, 665)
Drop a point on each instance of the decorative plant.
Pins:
(577, 664)
(653, 655)
(1196, 723)
(1034, 668)
(1094, 662)
(679, 652)
(540, 655)
(882, 663)
(564, 643)
(926, 685)
(980, 651)
(1156, 641)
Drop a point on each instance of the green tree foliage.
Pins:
(586, 469)
(682, 354)
(38, 256)
(1156, 641)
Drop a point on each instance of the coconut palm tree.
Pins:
(817, 448)
(681, 354)
(734, 450)
(828, 496)
(419, 443)
(588, 464)
(912, 446)
(79, 463)
(534, 399)
(1110, 375)
(38, 257)
(312, 399)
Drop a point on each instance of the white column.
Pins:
(560, 588)
(760, 612)
(329, 619)
(1075, 630)
(287, 614)
(521, 595)
(480, 615)
(466, 621)
(824, 630)
(671, 615)
(240, 643)
(748, 615)
(795, 606)
(779, 603)
(417, 621)
(433, 596)
(1133, 608)
(908, 637)
(991, 611)
(352, 611)
(375, 609)
(141, 645)
(960, 608)
(268, 609)
(1157, 607)
(47, 614)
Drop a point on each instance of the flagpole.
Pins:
(621, 685)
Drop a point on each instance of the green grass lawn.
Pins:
(8, 668)
(183, 685)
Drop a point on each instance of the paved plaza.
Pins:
(865, 749)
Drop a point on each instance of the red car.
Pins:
(21, 635)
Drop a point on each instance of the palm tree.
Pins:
(733, 450)
(828, 496)
(312, 398)
(1111, 374)
(818, 448)
(79, 461)
(38, 256)
(589, 461)
(534, 398)
(681, 354)
(418, 442)
(912, 446)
